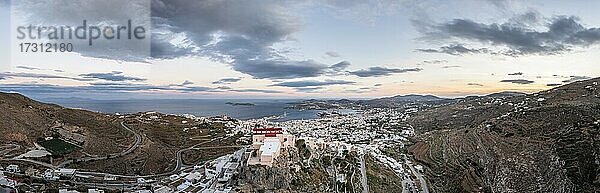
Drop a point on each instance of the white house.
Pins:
(95, 191)
(193, 177)
(173, 177)
(6, 182)
(184, 186)
(67, 191)
(67, 173)
(214, 168)
(163, 189)
(13, 168)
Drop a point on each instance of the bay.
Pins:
(198, 107)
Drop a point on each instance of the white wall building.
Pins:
(267, 144)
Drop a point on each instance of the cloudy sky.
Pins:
(307, 48)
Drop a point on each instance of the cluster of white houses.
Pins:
(267, 144)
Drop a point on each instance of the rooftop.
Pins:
(269, 147)
(271, 131)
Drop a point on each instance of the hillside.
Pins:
(399, 101)
(25, 121)
(407, 101)
(132, 144)
(541, 142)
(414, 97)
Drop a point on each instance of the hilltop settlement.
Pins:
(410, 143)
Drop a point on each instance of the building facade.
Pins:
(267, 144)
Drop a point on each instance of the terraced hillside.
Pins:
(24, 121)
(133, 144)
(541, 142)
(167, 144)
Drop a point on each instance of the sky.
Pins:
(303, 48)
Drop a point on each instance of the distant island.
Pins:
(240, 104)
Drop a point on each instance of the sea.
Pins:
(198, 107)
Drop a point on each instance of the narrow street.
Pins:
(363, 172)
(420, 177)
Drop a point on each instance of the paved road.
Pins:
(420, 177)
(363, 172)
(178, 167)
(180, 162)
(121, 176)
(129, 150)
(138, 140)
(219, 147)
(110, 186)
(86, 159)
(34, 162)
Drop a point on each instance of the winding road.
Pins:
(34, 162)
(180, 162)
(135, 145)
(138, 140)
(219, 147)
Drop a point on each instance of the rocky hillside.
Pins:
(291, 173)
(541, 142)
(302, 169)
(24, 121)
(101, 143)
